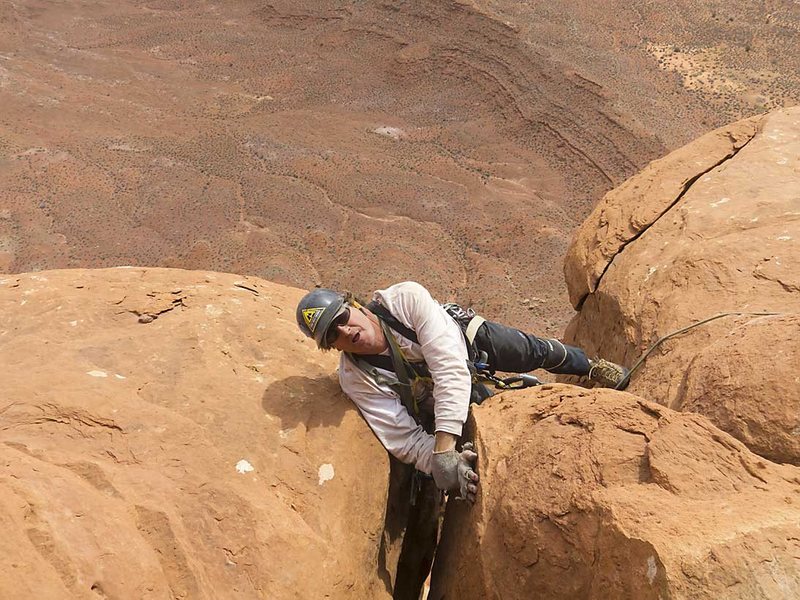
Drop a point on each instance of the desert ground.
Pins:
(355, 144)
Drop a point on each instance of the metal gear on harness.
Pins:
(515, 382)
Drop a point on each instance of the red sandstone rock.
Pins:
(600, 494)
(728, 240)
(747, 383)
(628, 210)
(203, 452)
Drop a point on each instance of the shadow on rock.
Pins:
(315, 402)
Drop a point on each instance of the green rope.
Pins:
(642, 358)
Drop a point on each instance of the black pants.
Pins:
(515, 351)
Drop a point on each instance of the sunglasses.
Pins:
(333, 330)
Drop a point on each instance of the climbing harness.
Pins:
(658, 342)
(409, 374)
(470, 323)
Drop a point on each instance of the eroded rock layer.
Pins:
(168, 433)
(712, 228)
(298, 141)
(600, 494)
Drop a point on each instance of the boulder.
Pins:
(747, 384)
(711, 229)
(170, 433)
(628, 210)
(601, 494)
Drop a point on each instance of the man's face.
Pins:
(357, 333)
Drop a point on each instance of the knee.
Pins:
(555, 356)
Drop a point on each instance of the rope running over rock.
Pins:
(624, 382)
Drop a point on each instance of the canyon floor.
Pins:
(356, 144)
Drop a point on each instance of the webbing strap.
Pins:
(403, 376)
(401, 389)
(372, 370)
(382, 361)
(385, 316)
(378, 360)
(472, 328)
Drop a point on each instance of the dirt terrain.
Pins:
(354, 144)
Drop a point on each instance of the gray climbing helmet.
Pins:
(317, 310)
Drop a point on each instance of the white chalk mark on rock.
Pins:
(718, 202)
(652, 569)
(244, 467)
(325, 473)
(97, 373)
(213, 311)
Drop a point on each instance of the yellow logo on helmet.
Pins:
(311, 317)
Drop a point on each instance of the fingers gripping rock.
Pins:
(454, 471)
(468, 478)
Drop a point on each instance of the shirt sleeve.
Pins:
(387, 417)
(442, 344)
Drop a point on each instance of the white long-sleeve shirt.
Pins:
(442, 347)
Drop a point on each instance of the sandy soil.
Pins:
(355, 144)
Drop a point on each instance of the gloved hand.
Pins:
(453, 471)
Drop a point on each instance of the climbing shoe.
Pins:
(608, 374)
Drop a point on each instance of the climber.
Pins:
(411, 367)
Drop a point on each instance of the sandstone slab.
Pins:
(600, 494)
(168, 433)
(746, 382)
(628, 210)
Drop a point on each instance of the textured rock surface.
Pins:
(662, 252)
(627, 211)
(169, 433)
(748, 383)
(600, 494)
